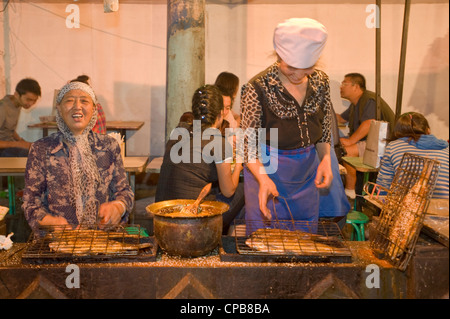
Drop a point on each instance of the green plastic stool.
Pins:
(357, 220)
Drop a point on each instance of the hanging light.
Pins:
(110, 5)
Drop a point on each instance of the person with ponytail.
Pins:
(76, 176)
(412, 134)
(197, 154)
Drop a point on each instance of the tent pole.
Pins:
(378, 60)
(401, 72)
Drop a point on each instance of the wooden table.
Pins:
(357, 163)
(359, 166)
(154, 166)
(10, 167)
(15, 166)
(436, 220)
(121, 126)
(134, 165)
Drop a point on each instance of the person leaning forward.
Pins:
(182, 176)
(361, 112)
(25, 96)
(292, 97)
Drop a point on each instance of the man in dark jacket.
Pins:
(359, 115)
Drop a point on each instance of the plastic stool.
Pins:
(12, 195)
(357, 220)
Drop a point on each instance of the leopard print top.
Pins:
(266, 103)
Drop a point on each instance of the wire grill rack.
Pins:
(87, 243)
(306, 241)
(403, 211)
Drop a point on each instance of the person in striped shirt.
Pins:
(412, 134)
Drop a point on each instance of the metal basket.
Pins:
(308, 241)
(403, 210)
(86, 243)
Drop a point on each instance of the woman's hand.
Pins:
(324, 174)
(111, 212)
(53, 220)
(267, 188)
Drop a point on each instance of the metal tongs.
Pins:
(193, 208)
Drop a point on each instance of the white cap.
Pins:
(300, 41)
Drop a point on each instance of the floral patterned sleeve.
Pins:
(251, 120)
(325, 103)
(119, 187)
(35, 186)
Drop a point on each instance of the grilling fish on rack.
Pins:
(67, 233)
(281, 241)
(90, 242)
(412, 208)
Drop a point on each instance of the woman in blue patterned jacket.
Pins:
(75, 176)
(412, 134)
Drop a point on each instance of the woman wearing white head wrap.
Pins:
(75, 176)
(293, 98)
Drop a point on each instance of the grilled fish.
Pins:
(91, 241)
(280, 241)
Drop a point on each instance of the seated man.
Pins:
(359, 114)
(25, 96)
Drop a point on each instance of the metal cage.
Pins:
(403, 211)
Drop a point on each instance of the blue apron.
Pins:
(333, 201)
(294, 179)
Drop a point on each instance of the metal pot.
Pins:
(187, 236)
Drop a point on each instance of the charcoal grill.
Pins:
(89, 243)
(403, 210)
